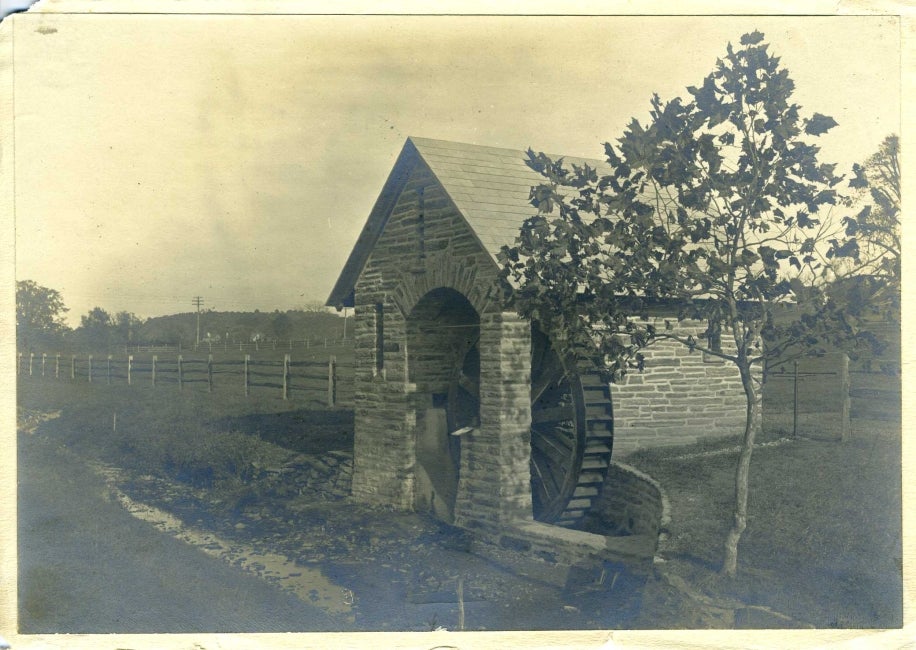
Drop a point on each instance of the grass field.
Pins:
(212, 440)
(822, 545)
(823, 542)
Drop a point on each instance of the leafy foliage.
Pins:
(716, 203)
(39, 313)
(96, 328)
(718, 207)
(869, 250)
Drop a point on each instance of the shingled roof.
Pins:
(489, 186)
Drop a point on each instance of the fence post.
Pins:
(332, 380)
(44, 361)
(844, 388)
(247, 386)
(130, 363)
(31, 359)
(90, 368)
(108, 371)
(155, 358)
(795, 399)
(286, 376)
(19, 363)
(57, 366)
(72, 367)
(308, 342)
(210, 373)
(180, 378)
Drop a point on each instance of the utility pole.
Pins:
(197, 302)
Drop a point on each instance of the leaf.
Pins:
(819, 124)
(753, 38)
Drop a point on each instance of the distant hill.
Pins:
(244, 327)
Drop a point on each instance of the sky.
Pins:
(162, 157)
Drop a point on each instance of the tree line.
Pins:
(41, 324)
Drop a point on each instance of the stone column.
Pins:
(384, 442)
(495, 483)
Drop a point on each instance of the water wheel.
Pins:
(572, 427)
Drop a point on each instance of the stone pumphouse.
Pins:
(468, 411)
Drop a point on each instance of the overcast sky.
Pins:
(161, 157)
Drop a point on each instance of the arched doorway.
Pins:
(443, 330)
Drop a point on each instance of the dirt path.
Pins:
(87, 565)
(109, 550)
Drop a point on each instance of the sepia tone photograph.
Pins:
(452, 325)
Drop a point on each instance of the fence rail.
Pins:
(287, 376)
(823, 393)
(225, 346)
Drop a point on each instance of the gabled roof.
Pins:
(489, 186)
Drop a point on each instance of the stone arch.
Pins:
(441, 270)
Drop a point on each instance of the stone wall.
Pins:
(631, 503)
(679, 398)
(562, 556)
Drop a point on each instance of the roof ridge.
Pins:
(418, 140)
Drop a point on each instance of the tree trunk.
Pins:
(742, 472)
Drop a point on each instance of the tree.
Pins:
(39, 313)
(281, 325)
(716, 205)
(871, 246)
(96, 328)
(125, 326)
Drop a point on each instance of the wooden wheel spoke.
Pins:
(547, 475)
(551, 374)
(554, 435)
(554, 414)
(553, 449)
(567, 461)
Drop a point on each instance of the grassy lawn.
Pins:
(823, 542)
(217, 441)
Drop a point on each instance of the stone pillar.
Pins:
(495, 483)
(384, 441)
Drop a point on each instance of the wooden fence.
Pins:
(225, 346)
(318, 379)
(819, 396)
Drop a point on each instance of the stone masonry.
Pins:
(424, 248)
(679, 398)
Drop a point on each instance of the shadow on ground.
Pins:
(307, 431)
